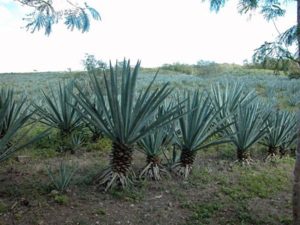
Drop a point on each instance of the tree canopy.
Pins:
(271, 10)
(45, 14)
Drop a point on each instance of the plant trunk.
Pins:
(242, 155)
(296, 187)
(120, 165)
(155, 160)
(96, 136)
(65, 142)
(121, 158)
(153, 169)
(282, 151)
(272, 151)
(187, 158)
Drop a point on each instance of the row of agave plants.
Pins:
(150, 120)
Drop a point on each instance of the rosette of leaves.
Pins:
(280, 124)
(229, 96)
(125, 117)
(152, 146)
(198, 128)
(14, 116)
(13, 109)
(62, 177)
(58, 111)
(171, 150)
(249, 127)
(291, 138)
(96, 133)
(289, 145)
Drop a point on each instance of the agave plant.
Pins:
(289, 144)
(293, 100)
(96, 133)
(152, 146)
(13, 117)
(291, 138)
(7, 148)
(279, 127)
(229, 96)
(62, 179)
(126, 118)
(199, 128)
(170, 149)
(250, 126)
(59, 111)
(14, 109)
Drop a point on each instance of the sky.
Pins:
(154, 31)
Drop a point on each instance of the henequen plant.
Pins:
(59, 111)
(62, 179)
(13, 116)
(199, 128)
(229, 96)
(128, 116)
(248, 128)
(152, 146)
(14, 109)
(290, 142)
(96, 133)
(280, 124)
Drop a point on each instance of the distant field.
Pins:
(276, 90)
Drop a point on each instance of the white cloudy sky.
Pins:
(155, 31)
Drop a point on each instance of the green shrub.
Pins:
(61, 199)
(294, 74)
(103, 145)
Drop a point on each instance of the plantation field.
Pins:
(273, 89)
(219, 190)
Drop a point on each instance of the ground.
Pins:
(219, 191)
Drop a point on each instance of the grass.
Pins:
(102, 145)
(235, 188)
(203, 212)
(133, 195)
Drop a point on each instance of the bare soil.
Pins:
(214, 194)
